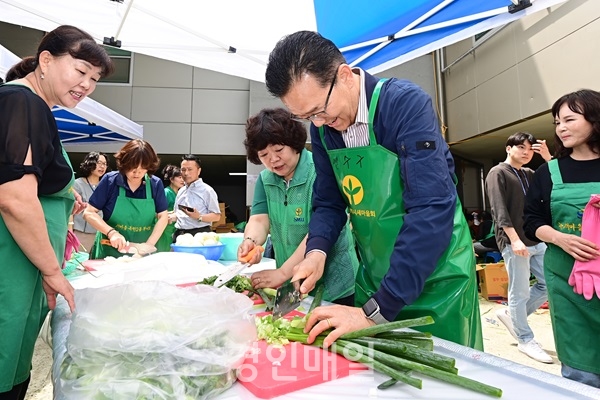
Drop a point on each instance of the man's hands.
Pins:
(342, 319)
(311, 270)
(519, 248)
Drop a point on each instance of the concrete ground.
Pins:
(497, 341)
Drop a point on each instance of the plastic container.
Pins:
(231, 241)
(212, 252)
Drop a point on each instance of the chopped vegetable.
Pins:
(238, 283)
(318, 299)
(273, 331)
(382, 348)
(268, 296)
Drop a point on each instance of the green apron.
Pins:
(132, 218)
(166, 239)
(575, 320)
(24, 305)
(377, 214)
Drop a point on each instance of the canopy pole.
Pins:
(129, 5)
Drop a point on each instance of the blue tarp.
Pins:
(407, 22)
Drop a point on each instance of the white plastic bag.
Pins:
(153, 340)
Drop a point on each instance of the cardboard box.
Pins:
(226, 228)
(222, 221)
(493, 281)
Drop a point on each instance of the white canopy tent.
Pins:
(235, 37)
(89, 122)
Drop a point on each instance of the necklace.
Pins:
(525, 186)
(93, 187)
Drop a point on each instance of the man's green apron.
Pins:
(377, 213)
(166, 239)
(21, 287)
(575, 320)
(132, 218)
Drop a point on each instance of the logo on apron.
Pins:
(353, 189)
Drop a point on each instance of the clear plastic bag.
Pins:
(153, 340)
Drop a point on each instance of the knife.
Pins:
(236, 268)
(287, 299)
(133, 248)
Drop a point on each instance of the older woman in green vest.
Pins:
(282, 205)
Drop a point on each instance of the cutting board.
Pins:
(270, 371)
(93, 265)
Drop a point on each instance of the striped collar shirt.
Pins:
(357, 134)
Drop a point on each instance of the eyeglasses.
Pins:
(101, 164)
(321, 115)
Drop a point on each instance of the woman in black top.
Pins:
(36, 196)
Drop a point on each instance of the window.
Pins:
(482, 34)
(122, 60)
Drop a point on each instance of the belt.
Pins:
(191, 231)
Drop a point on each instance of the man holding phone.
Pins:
(196, 204)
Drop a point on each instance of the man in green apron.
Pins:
(380, 157)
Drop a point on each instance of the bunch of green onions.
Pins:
(382, 348)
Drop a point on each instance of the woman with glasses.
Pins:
(379, 156)
(91, 170)
(282, 205)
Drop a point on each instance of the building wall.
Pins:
(184, 109)
(523, 69)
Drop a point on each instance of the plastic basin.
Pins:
(212, 252)
(231, 241)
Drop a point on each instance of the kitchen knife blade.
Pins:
(142, 249)
(236, 268)
(287, 299)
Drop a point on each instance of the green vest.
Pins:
(377, 213)
(290, 209)
(575, 320)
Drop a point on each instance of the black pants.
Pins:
(17, 392)
(190, 231)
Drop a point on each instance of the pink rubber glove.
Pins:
(585, 276)
(72, 245)
(585, 279)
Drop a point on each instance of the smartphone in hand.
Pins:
(186, 208)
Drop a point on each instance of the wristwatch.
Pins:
(200, 217)
(371, 310)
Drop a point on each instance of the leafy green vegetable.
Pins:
(238, 283)
(273, 331)
(395, 355)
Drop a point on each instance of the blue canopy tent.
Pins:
(89, 123)
(394, 32)
(235, 37)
